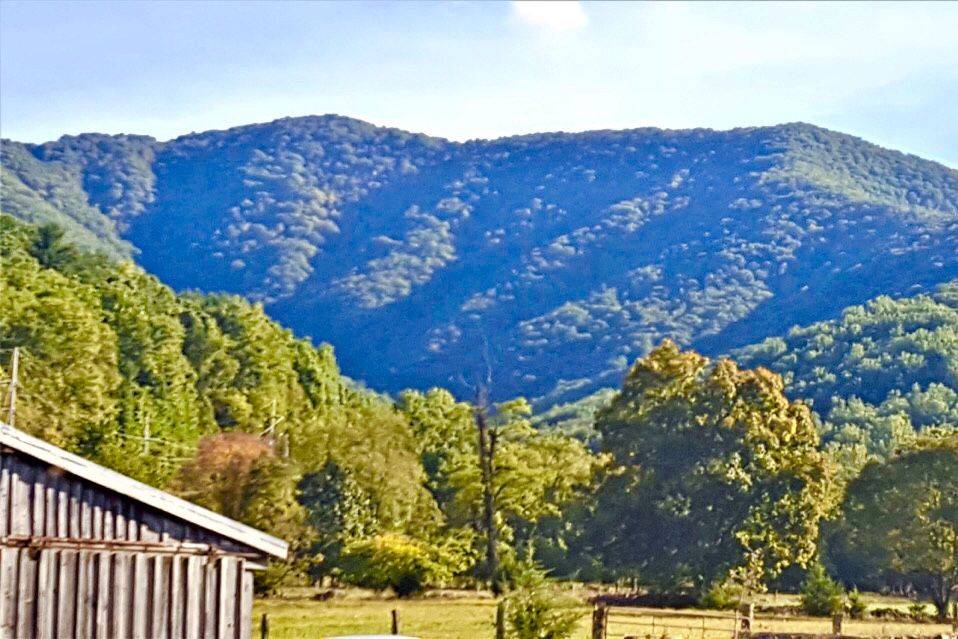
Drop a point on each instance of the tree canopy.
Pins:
(899, 523)
(720, 474)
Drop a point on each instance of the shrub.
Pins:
(723, 595)
(856, 605)
(538, 608)
(392, 560)
(821, 595)
(918, 611)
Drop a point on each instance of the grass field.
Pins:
(472, 618)
(426, 618)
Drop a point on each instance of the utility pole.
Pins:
(145, 417)
(14, 381)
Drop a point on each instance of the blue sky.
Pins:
(885, 71)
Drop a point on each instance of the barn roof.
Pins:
(155, 498)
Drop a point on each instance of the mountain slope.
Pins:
(878, 372)
(553, 259)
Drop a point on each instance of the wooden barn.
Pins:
(87, 552)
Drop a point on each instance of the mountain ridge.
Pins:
(557, 257)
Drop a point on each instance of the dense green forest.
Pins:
(206, 396)
(700, 477)
(553, 259)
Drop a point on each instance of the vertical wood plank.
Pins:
(194, 594)
(66, 595)
(26, 594)
(46, 591)
(96, 528)
(4, 495)
(76, 496)
(120, 520)
(63, 507)
(104, 596)
(86, 513)
(122, 571)
(20, 508)
(109, 515)
(133, 521)
(210, 630)
(38, 504)
(160, 606)
(50, 506)
(141, 596)
(226, 598)
(244, 616)
(86, 594)
(177, 592)
(9, 561)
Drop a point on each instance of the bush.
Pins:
(918, 612)
(538, 608)
(821, 595)
(856, 605)
(399, 562)
(723, 596)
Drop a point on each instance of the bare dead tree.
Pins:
(487, 436)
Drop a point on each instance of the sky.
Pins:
(887, 72)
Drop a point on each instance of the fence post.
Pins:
(264, 626)
(501, 620)
(748, 619)
(599, 617)
(838, 622)
(395, 616)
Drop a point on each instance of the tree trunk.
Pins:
(487, 444)
(941, 597)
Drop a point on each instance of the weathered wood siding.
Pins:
(84, 594)
(79, 561)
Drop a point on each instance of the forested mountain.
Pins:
(875, 376)
(554, 260)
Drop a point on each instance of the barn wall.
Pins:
(82, 594)
(83, 562)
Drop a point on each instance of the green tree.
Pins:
(900, 521)
(49, 248)
(718, 475)
(538, 608)
(821, 596)
(339, 511)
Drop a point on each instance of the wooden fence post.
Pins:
(501, 620)
(600, 617)
(838, 622)
(263, 626)
(395, 616)
(747, 620)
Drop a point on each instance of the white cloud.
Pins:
(552, 15)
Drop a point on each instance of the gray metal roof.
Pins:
(162, 501)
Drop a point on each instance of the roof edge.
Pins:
(148, 495)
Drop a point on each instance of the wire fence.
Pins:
(626, 622)
(647, 623)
